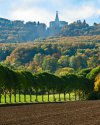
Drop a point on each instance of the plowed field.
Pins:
(69, 113)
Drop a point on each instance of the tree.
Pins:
(8, 80)
(26, 81)
(77, 62)
(49, 64)
(84, 72)
(38, 59)
(92, 75)
(94, 72)
(64, 71)
(63, 61)
(41, 82)
(97, 83)
(70, 83)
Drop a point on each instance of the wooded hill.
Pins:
(19, 31)
(54, 55)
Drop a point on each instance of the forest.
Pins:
(53, 55)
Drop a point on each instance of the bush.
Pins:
(94, 96)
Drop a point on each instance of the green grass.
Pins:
(45, 97)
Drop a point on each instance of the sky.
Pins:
(44, 10)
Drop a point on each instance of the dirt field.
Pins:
(70, 113)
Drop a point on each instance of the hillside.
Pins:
(79, 28)
(19, 31)
(56, 55)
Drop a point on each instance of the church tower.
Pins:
(56, 26)
(57, 17)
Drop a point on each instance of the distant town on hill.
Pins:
(19, 31)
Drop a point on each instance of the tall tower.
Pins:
(57, 18)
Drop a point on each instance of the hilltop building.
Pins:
(56, 26)
(57, 23)
(17, 30)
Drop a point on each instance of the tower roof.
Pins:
(57, 17)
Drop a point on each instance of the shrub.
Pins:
(94, 96)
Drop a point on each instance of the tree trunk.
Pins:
(42, 97)
(79, 94)
(5, 96)
(75, 95)
(30, 96)
(69, 96)
(10, 95)
(0, 96)
(36, 97)
(19, 96)
(48, 96)
(54, 96)
(64, 96)
(59, 97)
(24, 96)
(15, 96)
(83, 95)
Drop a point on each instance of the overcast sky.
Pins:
(44, 10)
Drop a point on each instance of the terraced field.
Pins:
(69, 113)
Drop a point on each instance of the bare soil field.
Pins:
(69, 113)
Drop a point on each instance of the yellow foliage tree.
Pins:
(97, 83)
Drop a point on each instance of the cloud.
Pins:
(79, 13)
(86, 10)
(44, 10)
(32, 14)
(98, 12)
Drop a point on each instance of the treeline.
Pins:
(19, 31)
(79, 28)
(86, 82)
(57, 56)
